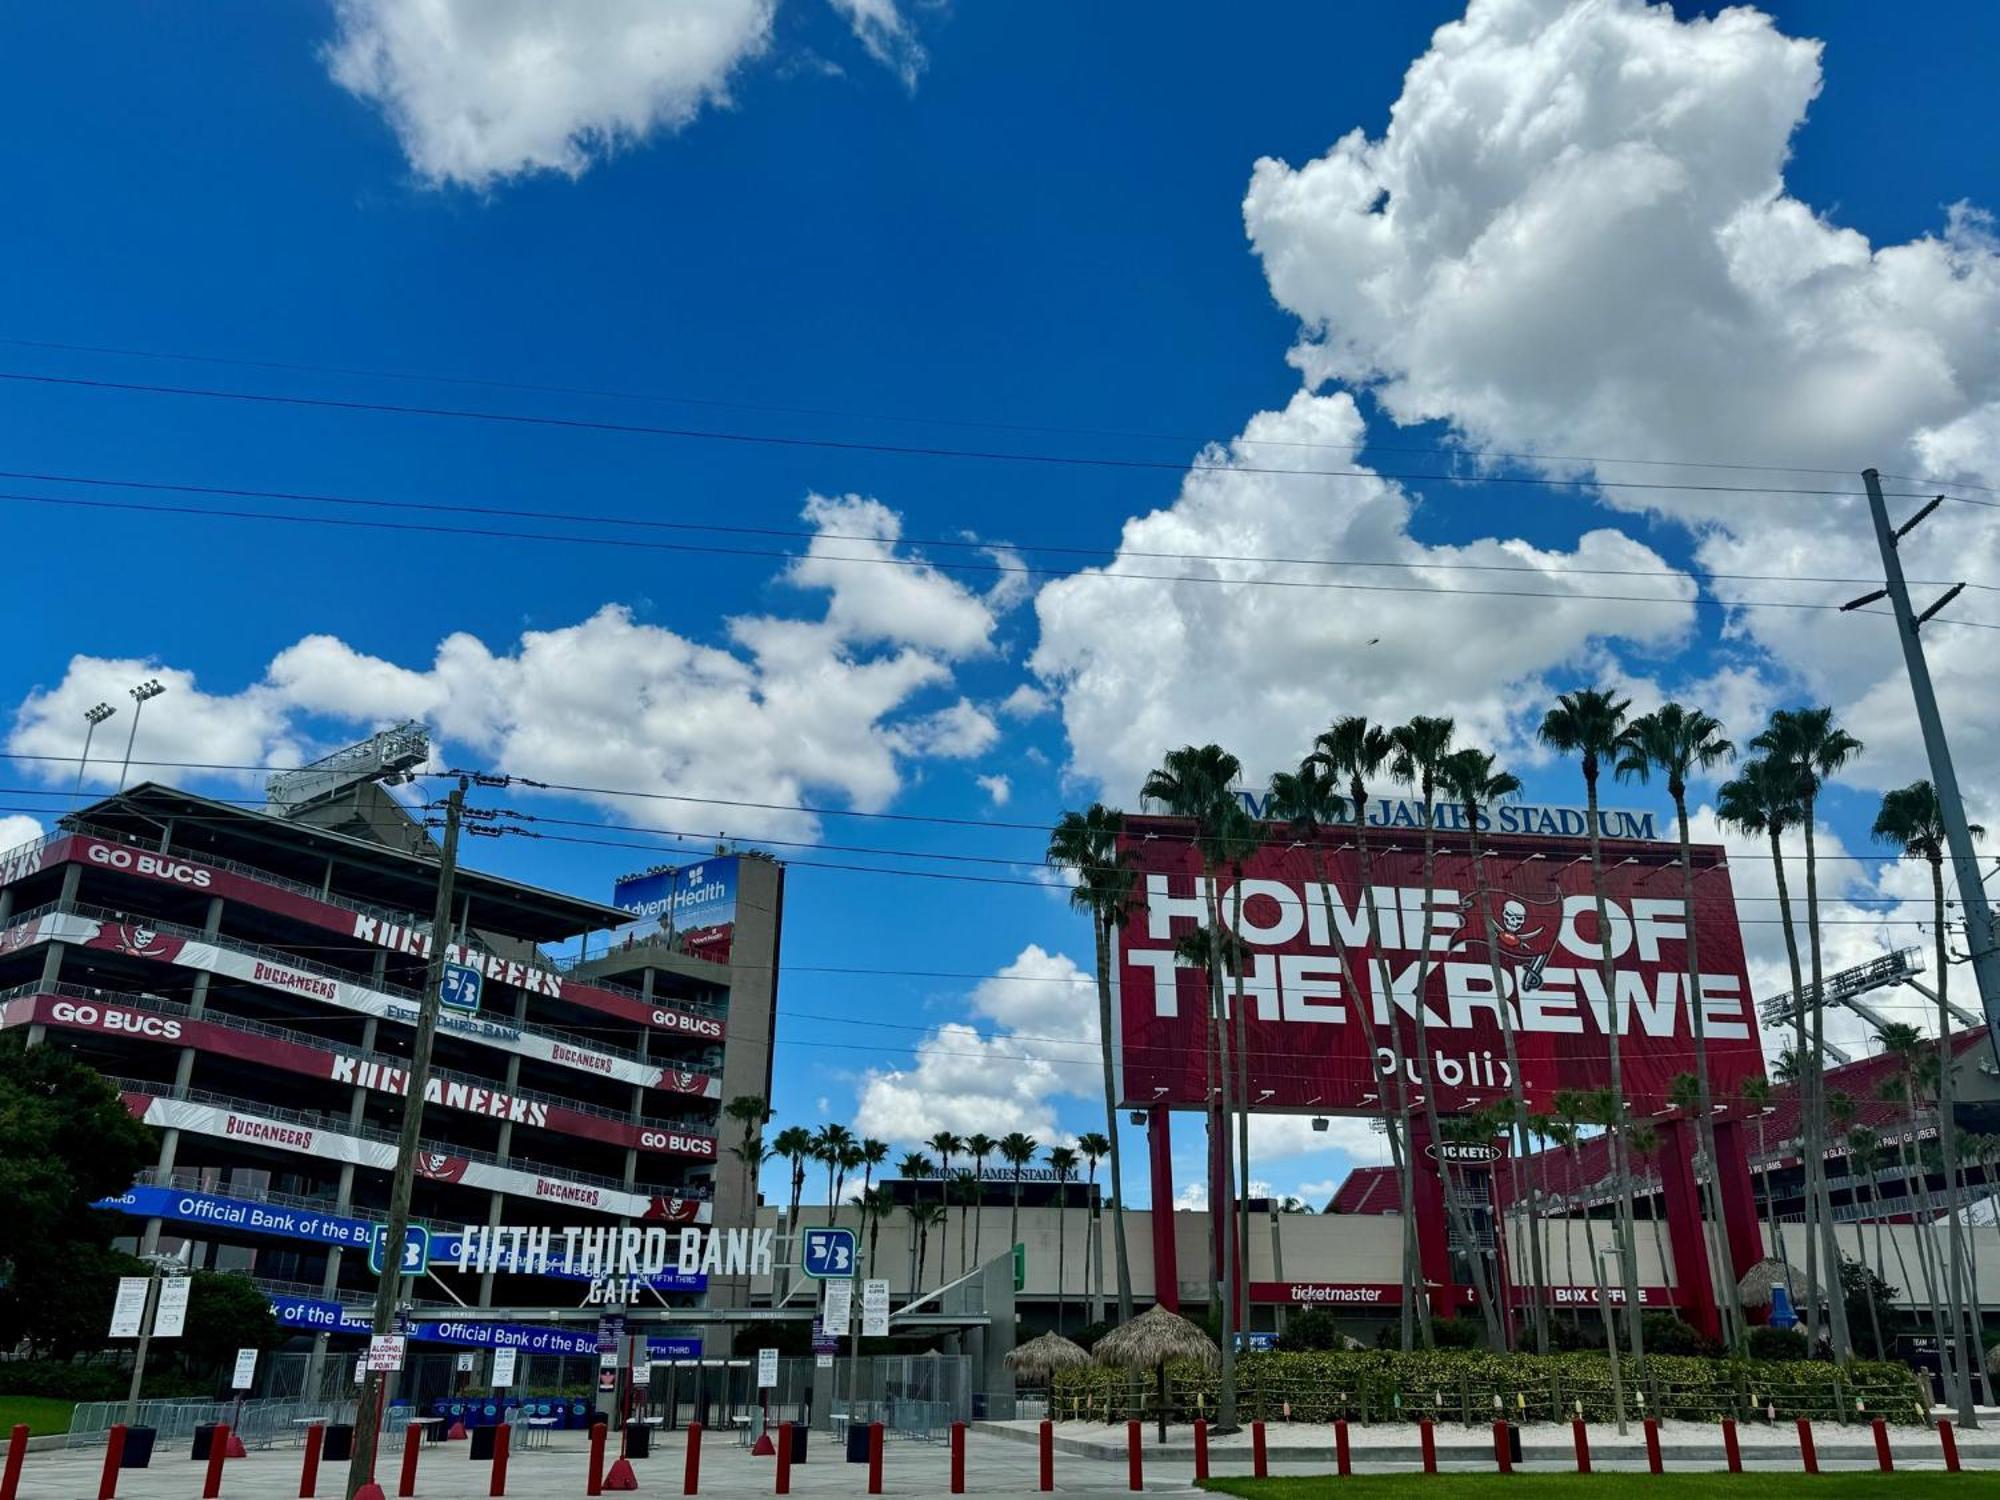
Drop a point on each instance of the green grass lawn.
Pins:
(42, 1414)
(1842, 1486)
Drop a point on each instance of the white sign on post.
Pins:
(823, 1361)
(503, 1367)
(839, 1310)
(767, 1368)
(245, 1377)
(874, 1309)
(385, 1352)
(360, 1368)
(170, 1316)
(128, 1312)
(465, 1364)
(642, 1372)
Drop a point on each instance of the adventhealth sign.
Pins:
(1508, 817)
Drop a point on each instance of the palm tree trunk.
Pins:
(1860, 1238)
(1614, 1027)
(1843, 1341)
(1928, 1260)
(1062, 1249)
(979, 1212)
(1105, 1031)
(1803, 1088)
(1225, 1404)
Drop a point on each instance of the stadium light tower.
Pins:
(94, 717)
(143, 694)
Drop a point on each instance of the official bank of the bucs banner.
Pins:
(164, 943)
(332, 1145)
(1314, 1045)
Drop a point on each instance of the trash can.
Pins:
(799, 1431)
(638, 1440)
(338, 1448)
(857, 1442)
(204, 1439)
(482, 1443)
(1513, 1442)
(138, 1447)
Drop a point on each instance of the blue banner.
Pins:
(335, 1317)
(320, 1316)
(692, 897)
(673, 1348)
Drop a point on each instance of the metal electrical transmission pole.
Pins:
(1951, 808)
(368, 1419)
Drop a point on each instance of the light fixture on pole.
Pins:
(143, 694)
(94, 717)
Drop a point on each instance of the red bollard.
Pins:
(413, 1438)
(1808, 1455)
(1343, 1456)
(502, 1437)
(1427, 1431)
(1200, 1448)
(691, 1480)
(308, 1472)
(1653, 1463)
(218, 1450)
(1732, 1451)
(874, 1458)
(1135, 1479)
(1949, 1440)
(1048, 1446)
(784, 1480)
(1502, 1459)
(17, 1450)
(958, 1458)
(1882, 1459)
(114, 1455)
(1579, 1432)
(594, 1484)
(1260, 1460)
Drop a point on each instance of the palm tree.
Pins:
(1763, 798)
(979, 1147)
(1358, 750)
(829, 1144)
(1469, 778)
(752, 1114)
(1422, 747)
(1086, 844)
(1094, 1147)
(1017, 1150)
(1906, 1044)
(876, 1204)
(1195, 782)
(913, 1169)
(1911, 822)
(947, 1146)
(965, 1188)
(1680, 742)
(1590, 725)
(923, 1216)
(1806, 745)
(873, 1154)
(1573, 1111)
(852, 1159)
(1062, 1163)
(1841, 1112)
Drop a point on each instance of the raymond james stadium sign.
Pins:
(1509, 817)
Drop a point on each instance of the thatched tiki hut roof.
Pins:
(1153, 1338)
(1754, 1290)
(1039, 1359)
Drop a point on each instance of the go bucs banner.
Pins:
(239, 885)
(163, 943)
(255, 1129)
(104, 1014)
(1314, 1046)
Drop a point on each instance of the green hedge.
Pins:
(77, 1380)
(1388, 1386)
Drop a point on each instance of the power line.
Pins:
(671, 399)
(1698, 601)
(852, 445)
(809, 534)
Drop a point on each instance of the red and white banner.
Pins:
(331, 1145)
(1337, 1295)
(1313, 1046)
(187, 874)
(106, 1016)
(143, 940)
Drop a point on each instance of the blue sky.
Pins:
(1615, 232)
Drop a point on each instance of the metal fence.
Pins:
(261, 1424)
(914, 1397)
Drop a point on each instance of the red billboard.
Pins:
(1313, 1046)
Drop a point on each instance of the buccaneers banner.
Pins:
(164, 943)
(441, 1166)
(1324, 1038)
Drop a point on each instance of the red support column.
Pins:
(1949, 1441)
(114, 1455)
(691, 1476)
(501, 1439)
(17, 1451)
(1201, 1448)
(594, 1482)
(1260, 1457)
(218, 1452)
(784, 1481)
(1732, 1450)
(1427, 1433)
(1740, 1226)
(1883, 1460)
(1343, 1454)
(1579, 1432)
(1166, 1258)
(1502, 1459)
(1693, 1282)
(308, 1471)
(1653, 1461)
(958, 1458)
(1135, 1475)
(413, 1437)
(1047, 1440)
(1808, 1455)
(874, 1458)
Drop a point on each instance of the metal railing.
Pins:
(261, 1424)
